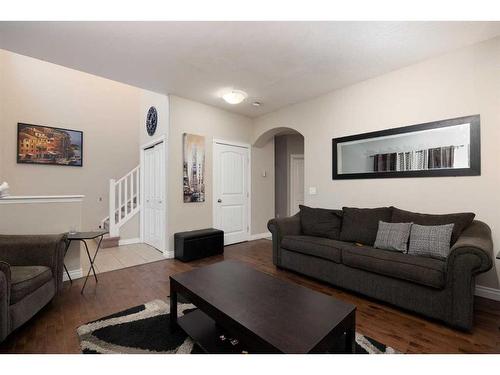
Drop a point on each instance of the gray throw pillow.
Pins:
(393, 236)
(430, 240)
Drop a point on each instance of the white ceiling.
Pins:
(278, 63)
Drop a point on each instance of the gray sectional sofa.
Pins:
(442, 289)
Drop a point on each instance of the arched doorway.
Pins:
(288, 168)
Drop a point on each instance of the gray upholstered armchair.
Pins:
(31, 269)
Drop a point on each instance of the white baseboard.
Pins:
(129, 241)
(260, 236)
(169, 254)
(75, 274)
(486, 292)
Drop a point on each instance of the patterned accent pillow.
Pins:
(393, 236)
(430, 240)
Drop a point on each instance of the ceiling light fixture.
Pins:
(234, 96)
(256, 103)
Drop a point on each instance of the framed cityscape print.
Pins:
(442, 148)
(193, 168)
(37, 144)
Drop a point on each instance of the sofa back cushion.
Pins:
(361, 224)
(320, 222)
(460, 220)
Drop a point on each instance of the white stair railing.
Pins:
(124, 200)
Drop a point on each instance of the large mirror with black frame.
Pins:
(441, 148)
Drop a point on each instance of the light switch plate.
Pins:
(312, 190)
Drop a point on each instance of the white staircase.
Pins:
(124, 203)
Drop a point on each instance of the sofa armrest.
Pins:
(5, 269)
(281, 227)
(475, 244)
(35, 250)
(469, 256)
(4, 299)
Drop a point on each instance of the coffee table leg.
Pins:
(173, 306)
(350, 335)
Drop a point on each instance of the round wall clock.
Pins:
(151, 120)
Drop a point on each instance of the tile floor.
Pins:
(114, 258)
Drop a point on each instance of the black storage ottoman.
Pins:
(198, 244)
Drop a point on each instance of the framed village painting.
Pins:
(37, 144)
(193, 168)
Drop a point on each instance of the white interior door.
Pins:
(154, 200)
(296, 183)
(231, 191)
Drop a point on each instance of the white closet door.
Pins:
(154, 200)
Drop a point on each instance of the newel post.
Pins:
(113, 229)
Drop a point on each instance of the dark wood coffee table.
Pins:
(266, 314)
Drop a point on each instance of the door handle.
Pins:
(219, 200)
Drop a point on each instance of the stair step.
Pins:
(109, 241)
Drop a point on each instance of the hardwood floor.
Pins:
(53, 330)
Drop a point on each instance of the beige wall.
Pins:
(461, 83)
(32, 218)
(150, 99)
(262, 187)
(109, 114)
(2, 104)
(112, 117)
(131, 229)
(285, 146)
(187, 116)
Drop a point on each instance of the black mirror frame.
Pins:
(475, 151)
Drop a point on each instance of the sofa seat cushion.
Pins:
(316, 246)
(421, 270)
(27, 279)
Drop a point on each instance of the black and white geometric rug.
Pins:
(145, 329)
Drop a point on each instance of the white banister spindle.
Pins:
(120, 198)
(138, 184)
(126, 195)
(131, 182)
(136, 189)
